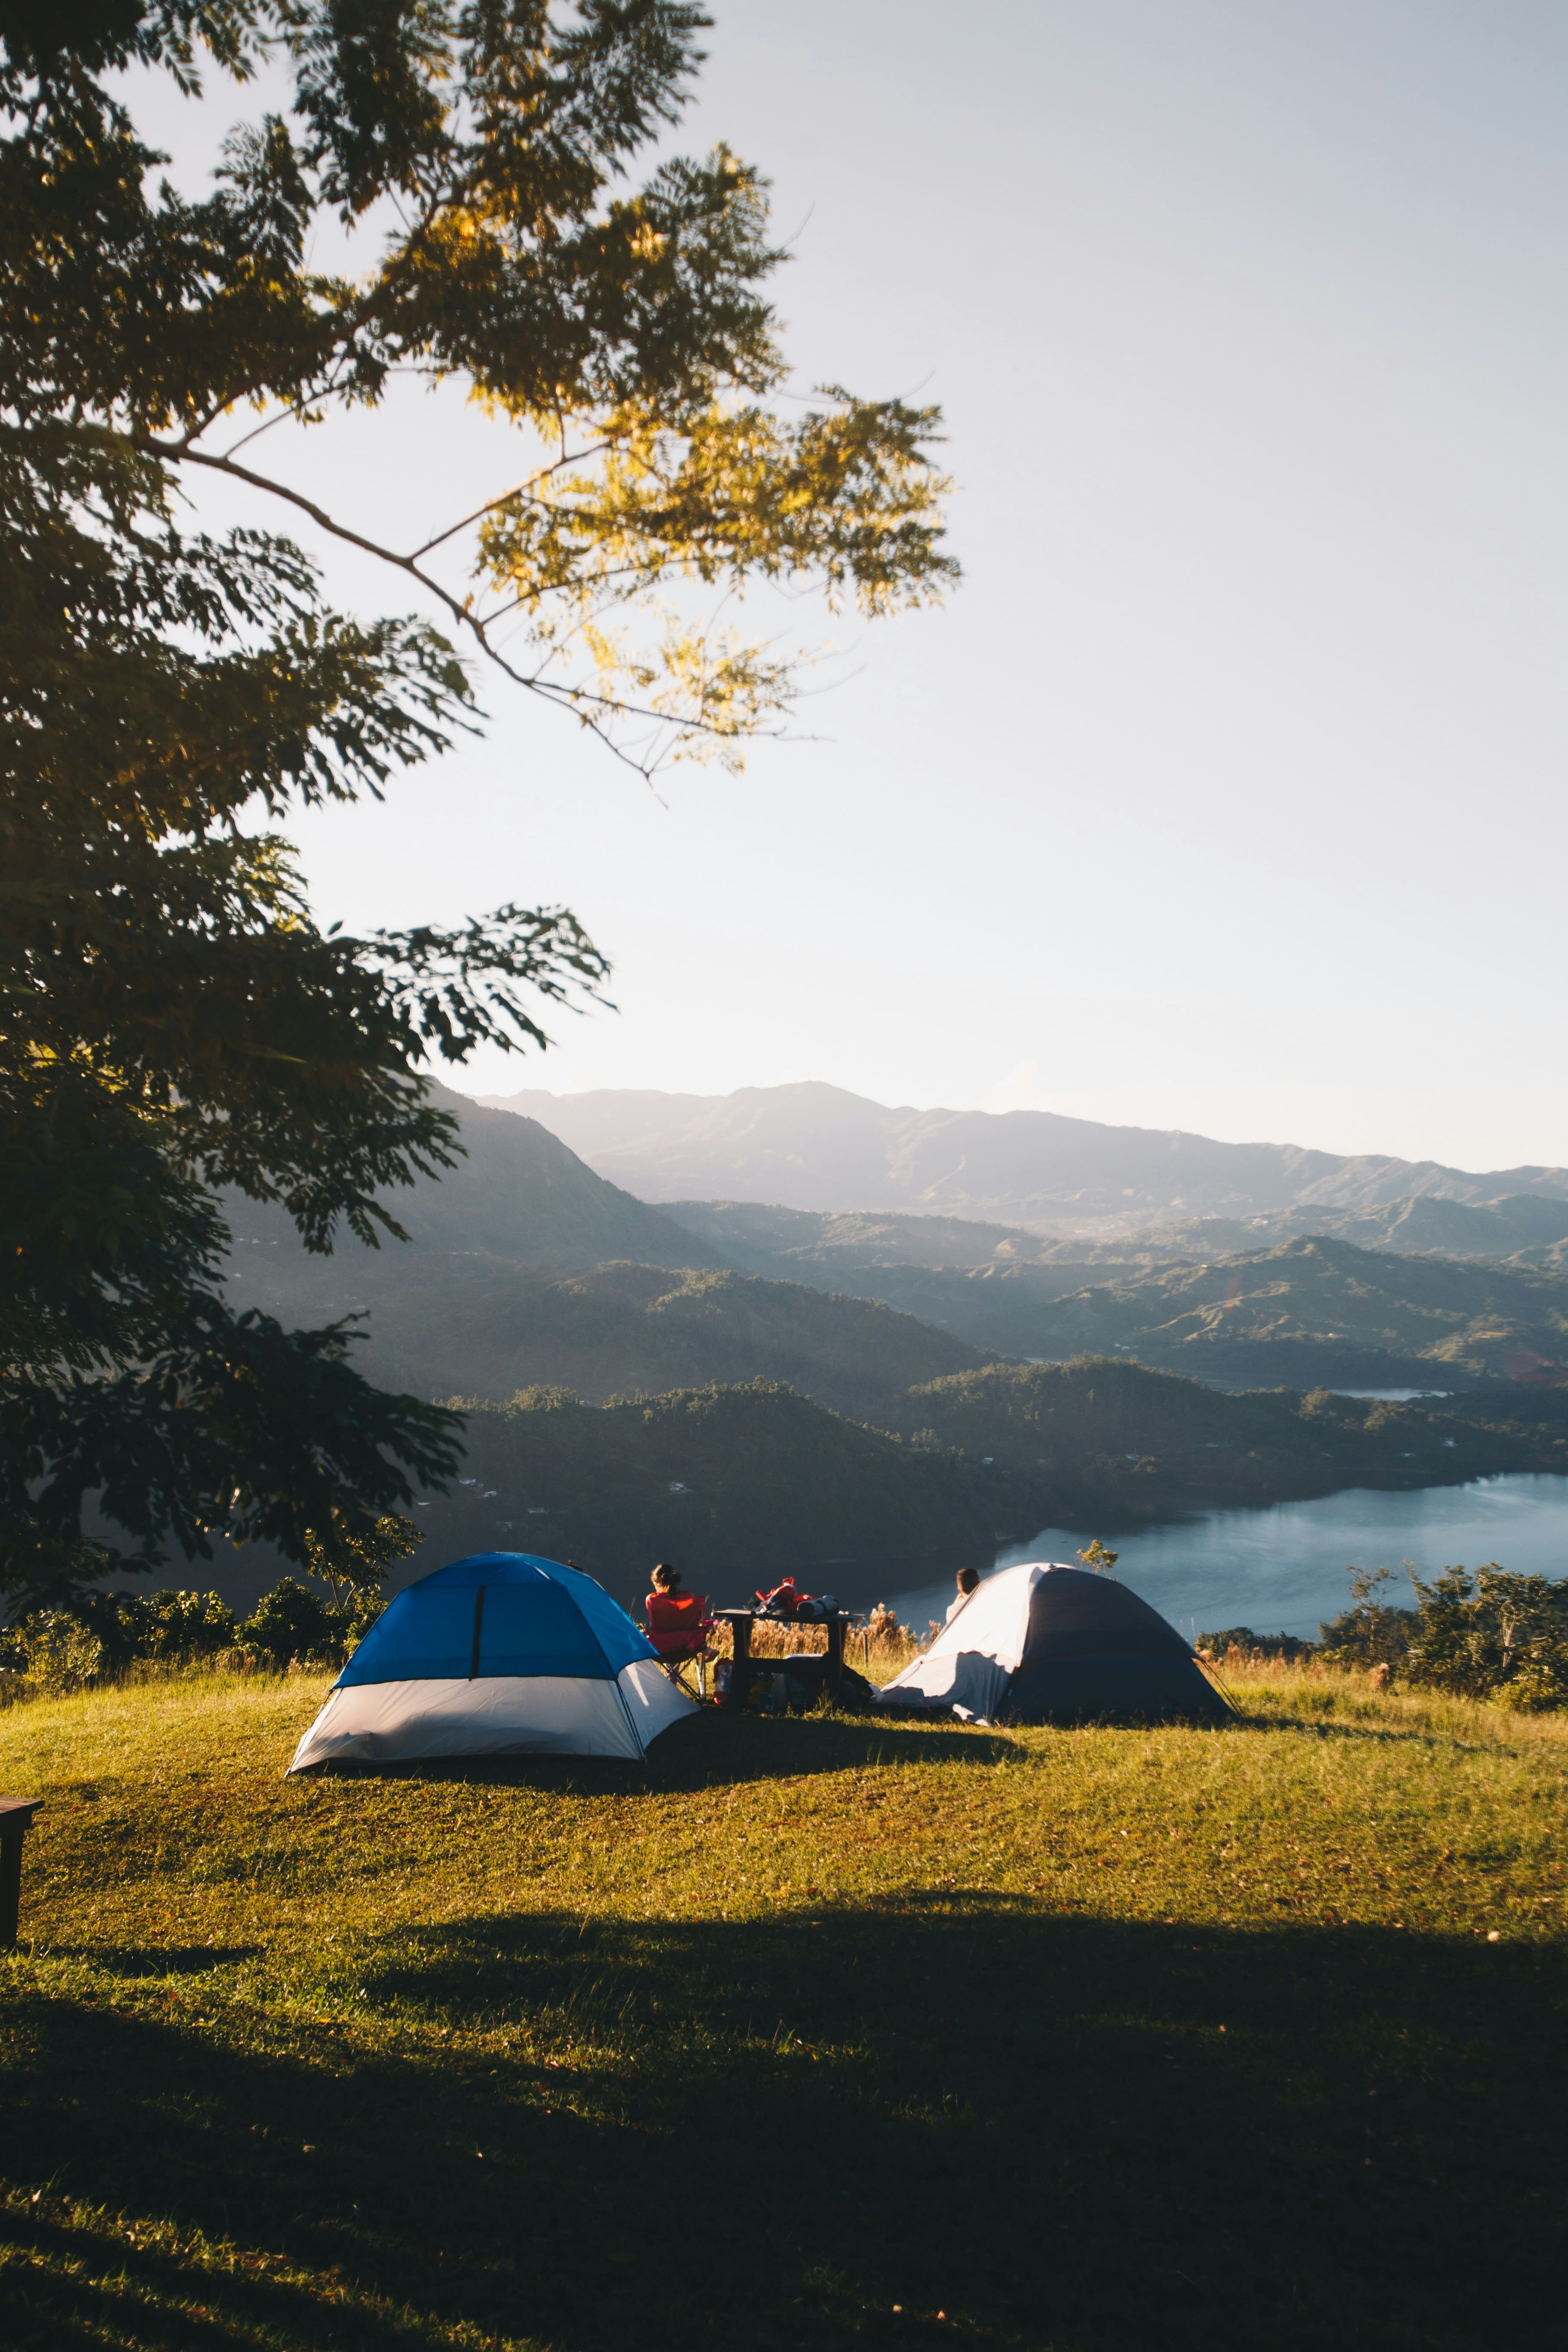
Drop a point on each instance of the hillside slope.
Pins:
(1114, 1441)
(737, 1484)
(441, 1325)
(765, 1237)
(518, 1193)
(1256, 1313)
(817, 1147)
(1523, 1226)
(1316, 1310)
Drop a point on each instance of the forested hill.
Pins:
(1312, 1309)
(1523, 1228)
(817, 1147)
(518, 1193)
(1318, 1310)
(441, 1324)
(806, 1243)
(738, 1484)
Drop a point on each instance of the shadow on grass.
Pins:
(713, 1749)
(1333, 1726)
(177, 1960)
(1060, 2132)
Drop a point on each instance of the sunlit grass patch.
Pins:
(422, 2057)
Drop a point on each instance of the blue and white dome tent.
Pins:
(502, 1655)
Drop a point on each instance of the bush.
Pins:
(177, 1626)
(359, 1614)
(66, 1650)
(59, 1654)
(291, 1622)
(1251, 1644)
(1493, 1636)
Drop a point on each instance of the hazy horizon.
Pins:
(501, 1097)
(1227, 794)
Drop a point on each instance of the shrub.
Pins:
(66, 1650)
(1493, 1635)
(176, 1626)
(358, 1614)
(60, 1654)
(291, 1622)
(1249, 1644)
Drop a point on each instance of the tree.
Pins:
(175, 1021)
(1371, 1632)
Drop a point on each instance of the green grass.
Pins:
(812, 2033)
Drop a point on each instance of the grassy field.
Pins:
(811, 2033)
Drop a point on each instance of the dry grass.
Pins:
(879, 1650)
(427, 2058)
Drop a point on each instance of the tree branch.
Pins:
(539, 474)
(571, 698)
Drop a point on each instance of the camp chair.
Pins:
(679, 1627)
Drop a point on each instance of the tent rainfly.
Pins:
(503, 1654)
(1047, 1643)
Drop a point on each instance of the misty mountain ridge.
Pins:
(517, 1193)
(817, 1147)
(527, 1268)
(1308, 1309)
(442, 1324)
(764, 1238)
(1317, 1311)
(782, 1411)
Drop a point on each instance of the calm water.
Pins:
(1283, 1570)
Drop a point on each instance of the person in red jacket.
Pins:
(666, 1582)
(676, 1625)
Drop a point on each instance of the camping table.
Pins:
(741, 1622)
(16, 1820)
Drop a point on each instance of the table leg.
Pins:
(740, 1663)
(10, 1883)
(836, 1630)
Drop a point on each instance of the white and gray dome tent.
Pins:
(1047, 1643)
(501, 1654)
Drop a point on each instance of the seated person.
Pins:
(671, 1610)
(968, 1582)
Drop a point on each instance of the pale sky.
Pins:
(1227, 793)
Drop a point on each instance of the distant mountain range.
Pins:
(525, 1267)
(817, 1147)
(1241, 1301)
(1525, 1229)
(1315, 1311)
(782, 1411)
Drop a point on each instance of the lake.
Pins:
(1282, 1571)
